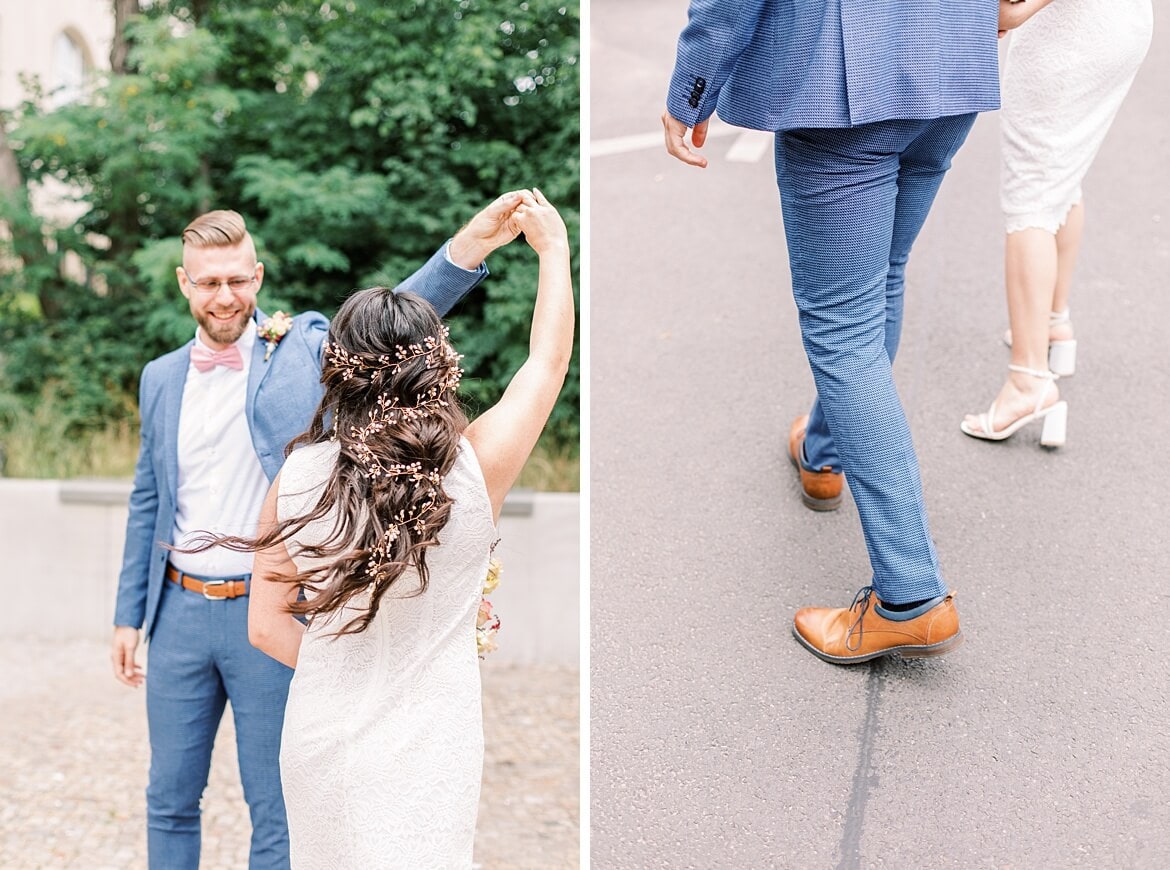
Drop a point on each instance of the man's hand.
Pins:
(676, 145)
(122, 655)
(490, 229)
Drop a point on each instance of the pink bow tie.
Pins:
(205, 360)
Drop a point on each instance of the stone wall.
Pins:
(61, 548)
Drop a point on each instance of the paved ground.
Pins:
(716, 740)
(73, 764)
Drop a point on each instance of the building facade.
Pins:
(60, 42)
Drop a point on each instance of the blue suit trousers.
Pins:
(854, 201)
(199, 658)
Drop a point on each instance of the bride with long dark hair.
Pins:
(373, 546)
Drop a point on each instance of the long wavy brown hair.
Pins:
(389, 376)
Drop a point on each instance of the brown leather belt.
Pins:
(209, 589)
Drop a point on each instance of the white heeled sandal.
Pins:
(1055, 416)
(1062, 355)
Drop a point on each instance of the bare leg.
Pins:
(1068, 245)
(1030, 273)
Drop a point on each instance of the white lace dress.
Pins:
(382, 751)
(1067, 70)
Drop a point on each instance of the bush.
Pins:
(354, 139)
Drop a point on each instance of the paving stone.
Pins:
(74, 758)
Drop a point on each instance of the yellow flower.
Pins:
(493, 577)
(486, 622)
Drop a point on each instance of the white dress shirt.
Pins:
(221, 482)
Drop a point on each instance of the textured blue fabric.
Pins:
(920, 174)
(785, 64)
(853, 201)
(199, 657)
(282, 396)
(199, 652)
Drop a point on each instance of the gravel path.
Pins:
(74, 759)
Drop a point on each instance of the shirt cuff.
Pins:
(447, 254)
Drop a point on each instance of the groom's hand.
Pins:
(122, 655)
(676, 145)
(490, 229)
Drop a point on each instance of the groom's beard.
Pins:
(225, 331)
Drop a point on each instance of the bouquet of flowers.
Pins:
(486, 622)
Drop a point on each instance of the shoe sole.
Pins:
(820, 504)
(906, 652)
(815, 504)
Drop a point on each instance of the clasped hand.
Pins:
(503, 219)
(541, 223)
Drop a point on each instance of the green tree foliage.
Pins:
(354, 136)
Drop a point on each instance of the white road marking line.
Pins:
(644, 141)
(750, 147)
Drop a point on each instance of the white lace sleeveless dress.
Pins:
(382, 751)
(1067, 70)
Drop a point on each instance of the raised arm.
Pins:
(458, 266)
(504, 435)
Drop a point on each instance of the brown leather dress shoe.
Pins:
(819, 490)
(858, 633)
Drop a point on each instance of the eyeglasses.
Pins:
(212, 285)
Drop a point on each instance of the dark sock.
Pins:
(902, 608)
(909, 610)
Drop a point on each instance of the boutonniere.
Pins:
(486, 622)
(273, 330)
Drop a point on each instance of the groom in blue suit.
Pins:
(216, 416)
(869, 101)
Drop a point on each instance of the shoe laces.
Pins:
(862, 599)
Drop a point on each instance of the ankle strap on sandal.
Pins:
(1058, 318)
(1036, 373)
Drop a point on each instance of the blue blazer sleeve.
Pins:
(130, 607)
(441, 282)
(717, 33)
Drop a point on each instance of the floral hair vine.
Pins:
(435, 348)
(380, 553)
(387, 410)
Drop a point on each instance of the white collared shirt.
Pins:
(221, 482)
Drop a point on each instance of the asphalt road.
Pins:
(716, 740)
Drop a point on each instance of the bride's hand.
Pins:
(541, 223)
(1013, 14)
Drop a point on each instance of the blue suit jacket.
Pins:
(283, 394)
(787, 64)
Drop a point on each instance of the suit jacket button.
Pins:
(700, 82)
(694, 101)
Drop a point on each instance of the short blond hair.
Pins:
(216, 229)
